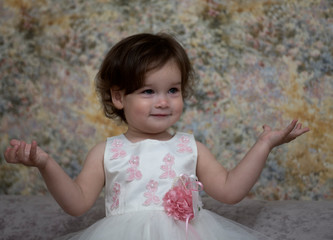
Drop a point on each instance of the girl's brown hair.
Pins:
(127, 63)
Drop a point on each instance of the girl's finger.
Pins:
(21, 151)
(15, 142)
(298, 132)
(266, 128)
(290, 127)
(302, 131)
(10, 154)
(33, 151)
(7, 154)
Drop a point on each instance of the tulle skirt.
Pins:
(156, 225)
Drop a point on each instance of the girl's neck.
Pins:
(139, 136)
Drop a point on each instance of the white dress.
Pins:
(138, 176)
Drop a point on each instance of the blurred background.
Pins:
(257, 61)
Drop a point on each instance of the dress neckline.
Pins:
(148, 139)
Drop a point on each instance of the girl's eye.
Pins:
(173, 90)
(148, 91)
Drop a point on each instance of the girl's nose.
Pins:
(162, 102)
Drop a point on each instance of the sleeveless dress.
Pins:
(138, 177)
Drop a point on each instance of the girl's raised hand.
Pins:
(26, 154)
(278, 137)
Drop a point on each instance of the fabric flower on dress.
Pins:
(116, 150)
(150, 193)
(134, 172)
(183, 145)
(179, 202)
(115, 197)
(167, 167)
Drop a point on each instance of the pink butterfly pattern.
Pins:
(150, 193)
(183, 145)
(167, 167)
(115, 196)
(133, 171)
(117, 150)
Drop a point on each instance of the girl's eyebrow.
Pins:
(177, 83)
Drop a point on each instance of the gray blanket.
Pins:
(39, 217)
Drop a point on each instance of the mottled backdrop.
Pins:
(257, 62)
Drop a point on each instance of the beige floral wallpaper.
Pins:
(257, 62)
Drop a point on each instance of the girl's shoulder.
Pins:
(98, 149)
(203, 150)
(94, 159)
(100, 145)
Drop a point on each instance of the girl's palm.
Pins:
(26, 154)
(278, 137)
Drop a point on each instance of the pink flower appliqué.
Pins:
(150, 193)
(178, 201)
(133, 171)
(183, 145)
(115, 196)
(167, 167)
(117, 149)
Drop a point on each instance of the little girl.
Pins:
(151, 177)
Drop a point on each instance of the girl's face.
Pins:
(156, 106)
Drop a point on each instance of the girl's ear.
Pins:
(117, 97)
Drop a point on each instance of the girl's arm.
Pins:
(74, 196)
(232, 186)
